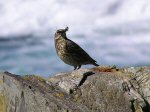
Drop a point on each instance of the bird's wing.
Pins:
(78, 52)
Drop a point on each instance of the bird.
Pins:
(70, 52)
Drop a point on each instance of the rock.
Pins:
(33, 94)
(108, 89)
(69, 80)
(100, 89)
(140, 82)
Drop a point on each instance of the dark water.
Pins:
(36, 55)
(30, 55)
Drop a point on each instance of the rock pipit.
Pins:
(70, 52)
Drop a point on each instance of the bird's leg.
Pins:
(75, 67)
(79, 67)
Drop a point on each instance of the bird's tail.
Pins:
(95, 64)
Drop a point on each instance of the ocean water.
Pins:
(113, 32)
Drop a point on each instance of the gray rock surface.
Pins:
(101, 89)
(33, 94)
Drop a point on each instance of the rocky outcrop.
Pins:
(101, 89)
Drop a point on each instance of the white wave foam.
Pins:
(32, 16)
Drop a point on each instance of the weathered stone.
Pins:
(33, 95)
(69, 80)
(100, 89)
(108, 89)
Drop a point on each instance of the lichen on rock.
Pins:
(2, 103)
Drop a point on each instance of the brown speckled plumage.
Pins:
(70, 52)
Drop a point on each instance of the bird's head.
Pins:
(61, 32)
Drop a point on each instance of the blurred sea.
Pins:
(113, 32)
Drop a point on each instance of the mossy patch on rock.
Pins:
(34, 77)
(2, 103)
(60, 95)
(1, 81)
